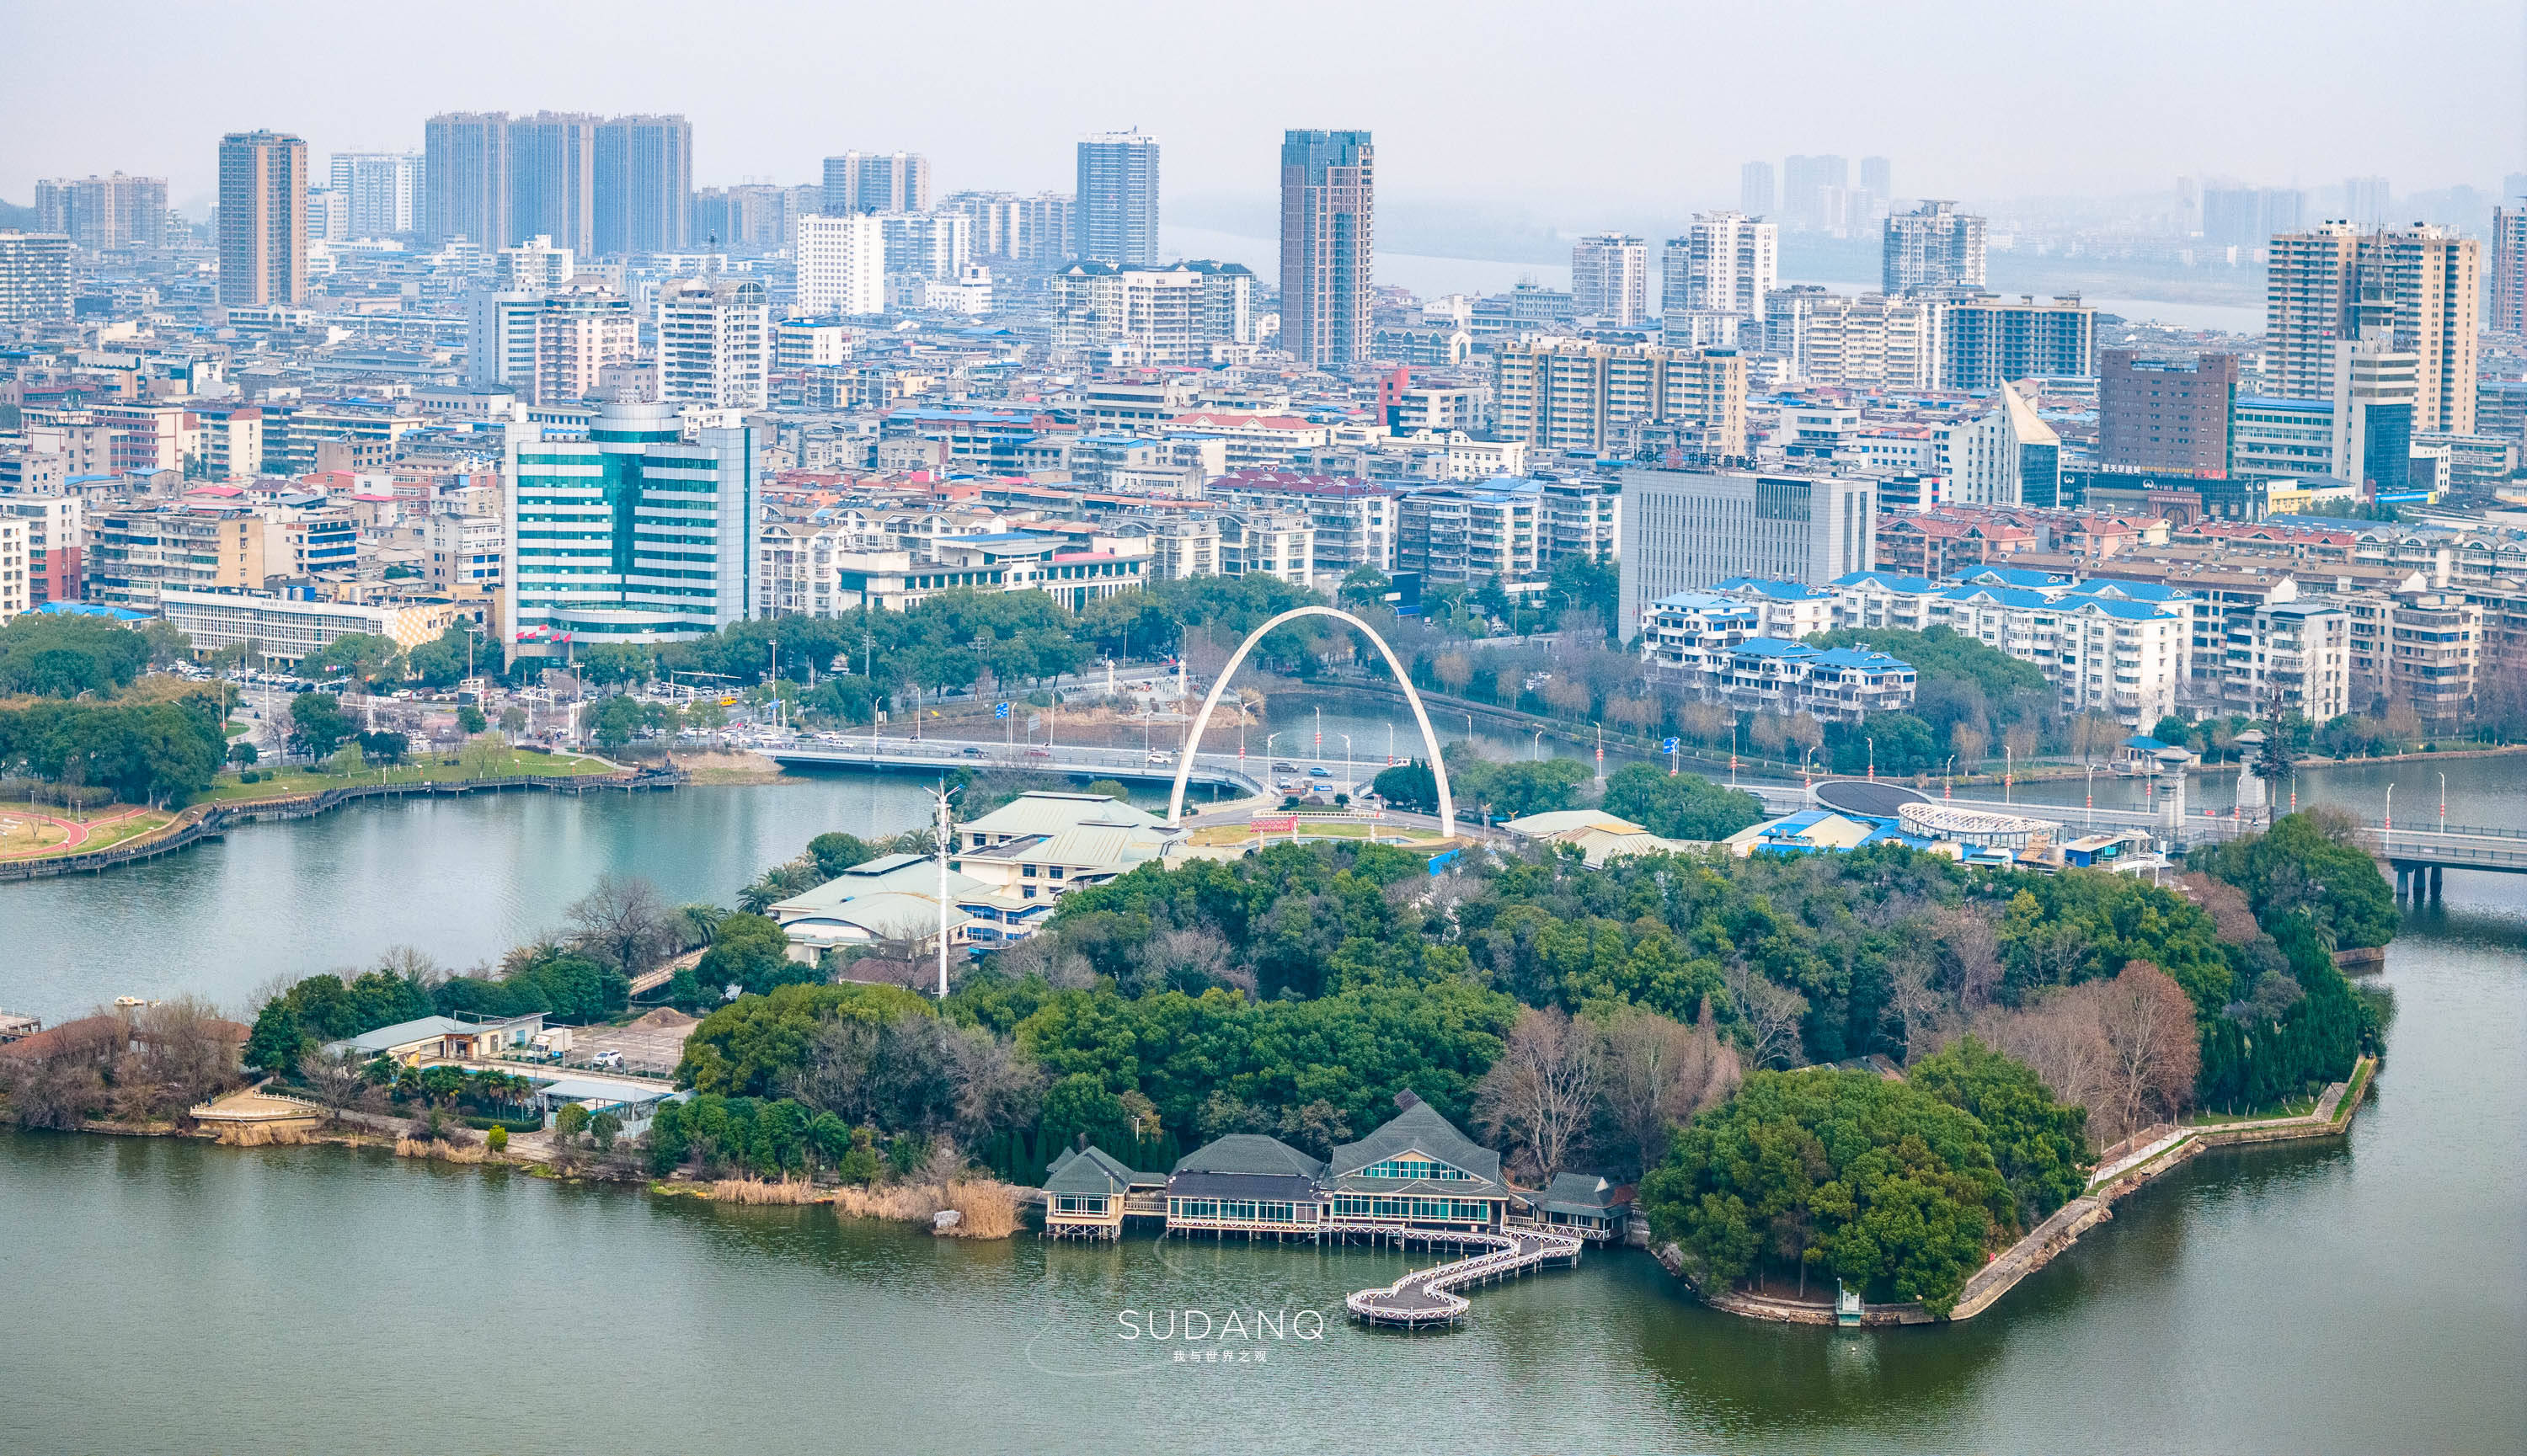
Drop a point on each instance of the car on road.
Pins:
(1320, 772)
(971, 752)
(1285, 783)
(1039, 753)
(1162, 758)
(1285, 768)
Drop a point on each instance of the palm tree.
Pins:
(700, 921)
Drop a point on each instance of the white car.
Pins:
(610, 1057)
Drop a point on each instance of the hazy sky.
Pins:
(1557, 107)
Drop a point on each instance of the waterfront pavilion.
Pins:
(1587, 1204)
(1085, 1191)
(1247, 1184)
(1419, 1172)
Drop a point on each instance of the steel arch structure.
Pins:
(1210, 700)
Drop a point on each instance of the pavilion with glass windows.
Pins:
(1085, 1191)
(1247, 1184)
(1418, 1172)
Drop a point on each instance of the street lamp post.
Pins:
(1351, 783)
(2092, 795)
(1538, 754)
(2443, 803)
(1873, 760)
(1951, 776)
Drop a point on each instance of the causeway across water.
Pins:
(1426, 1296)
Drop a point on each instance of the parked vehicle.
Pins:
(610, 1057)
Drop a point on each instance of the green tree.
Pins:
(356, 657)
(1111, 789)
(754, 1044)
(1875, 1182)
(64, 654)
(2040, 1145)
(618, 719)
(1680, 806)
(317, 724)
(440, 662)
(752, 952)
(2297, 868)
(470, 719)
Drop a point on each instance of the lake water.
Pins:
(2355, 1296)
(466, 878)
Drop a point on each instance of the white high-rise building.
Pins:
(1934, 246)
(1722, 263)
(1687, 530)
(535, 266)
(384, 190)
(927, 245)
(1872, 341)
(1610, 280)
(1145, 316)
(642, 535)
(842, 265)
(714, 342)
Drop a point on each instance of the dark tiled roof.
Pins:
(1250, 1153)
(1094, 1171)
(1419, 1128)
(1295, 1187)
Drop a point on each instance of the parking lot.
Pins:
(653, 1044)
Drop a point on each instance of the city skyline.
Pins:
(781, 111)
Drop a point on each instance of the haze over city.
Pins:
(1557, 111)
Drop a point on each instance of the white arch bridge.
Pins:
(1237, 659)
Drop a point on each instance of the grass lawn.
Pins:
(27, 833)
(2295, 1107)
(282, 782)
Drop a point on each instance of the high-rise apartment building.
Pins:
(1815, 192)
(1933, 246)
(714, 343)
(2509, 267)
(877, 182)
(1872, 341)
(1878, 179)
(35, 277)
(598, 187)
(1571, 395)
(1690, 529)
(2165, 418)
(553, 180)
(1011, 228)
(632, 535)
(1987, 341)
(842, 265)
(1328, 245)
(1722, 263)
(2376, 387)
(1118, 209)
(2245, 218)
(926, 245)
(644, 185)
(2365, 201)
(1610, 280)
(1757, 194)
(465, 178)
(1153, 316)
(385, 191)
(263, 218)
(2428, 275)
(582, 329)
(104, 212)
(535, 266)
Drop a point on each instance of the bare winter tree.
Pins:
(1914, 1006)
(2153, 1050)
(996, 1088)
(836, 1077)
(623, 923)
(1199, 949)
(1771, 1013)
(1970, 955)
(1544, 1089)
(412, 964)
(1658, 1074)
(337, 1082)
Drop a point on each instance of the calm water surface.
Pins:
(2357, 1297)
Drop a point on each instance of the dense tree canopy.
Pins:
(63, 654)
(2298, 869)
(1841, 1175)
(754, 1044)
(2040, 1145)
(326, 1008)
(146, 752)
(1678, 806)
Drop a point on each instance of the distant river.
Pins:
(2353, 1297)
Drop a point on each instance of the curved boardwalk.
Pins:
(1426, 1296)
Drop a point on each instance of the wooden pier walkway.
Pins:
(1426, 1296)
